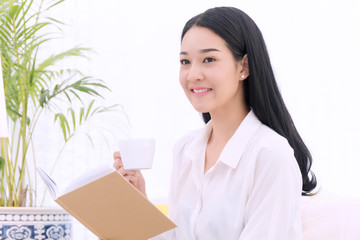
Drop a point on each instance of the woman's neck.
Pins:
(225, 124)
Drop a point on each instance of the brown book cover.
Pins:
(109, 206)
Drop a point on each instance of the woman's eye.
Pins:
(208, 60)
(184, 61)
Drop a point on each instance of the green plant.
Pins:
(35, 83)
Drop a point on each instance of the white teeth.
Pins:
(200, 90)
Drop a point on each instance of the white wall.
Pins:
(314, 47)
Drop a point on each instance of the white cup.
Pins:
(137, 153)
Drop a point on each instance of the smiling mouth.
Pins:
(203, 90)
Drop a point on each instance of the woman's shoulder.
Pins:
(267, 138)
(271, 147)
(274, 156)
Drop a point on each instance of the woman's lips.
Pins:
(200, 91)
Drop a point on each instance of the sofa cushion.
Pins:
(329, 218)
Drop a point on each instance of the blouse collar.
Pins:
(234, 148)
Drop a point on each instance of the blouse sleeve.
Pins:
(273, 208)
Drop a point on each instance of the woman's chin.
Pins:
(201, 109)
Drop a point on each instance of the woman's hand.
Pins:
(133, 176)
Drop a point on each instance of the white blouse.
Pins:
(252, 192)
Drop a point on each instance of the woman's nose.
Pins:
(195, 73)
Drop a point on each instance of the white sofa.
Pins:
(330, 217)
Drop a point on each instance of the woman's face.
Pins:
(209, 74)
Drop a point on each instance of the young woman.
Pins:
(242, 175)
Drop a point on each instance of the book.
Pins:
(109, 206)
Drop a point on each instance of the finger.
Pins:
(127, 172)
(117, 160)
(117, 165)
(132, 179)
(116, 154)
(132, 176)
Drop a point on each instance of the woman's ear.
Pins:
(244, 67)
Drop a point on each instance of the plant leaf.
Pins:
(89, 108)
(73, 117)
(63, 124)
(81, 114)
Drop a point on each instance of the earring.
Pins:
(242, 76)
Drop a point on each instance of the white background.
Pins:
(314, 46)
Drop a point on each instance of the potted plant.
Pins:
(36, 83)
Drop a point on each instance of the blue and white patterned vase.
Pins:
(17, 223)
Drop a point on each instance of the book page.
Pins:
(50, 184)
(86, 178)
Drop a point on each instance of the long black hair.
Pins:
(262, 94)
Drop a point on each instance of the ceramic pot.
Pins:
(27, 223)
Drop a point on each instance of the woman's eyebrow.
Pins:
(206, 50)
